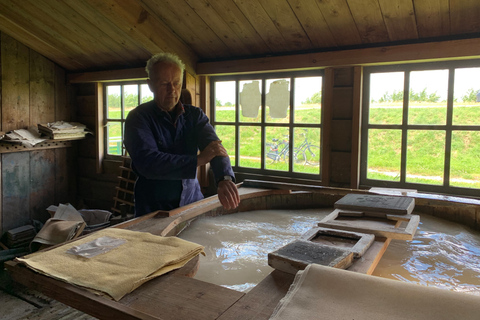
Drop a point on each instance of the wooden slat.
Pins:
(192, 28)
(399, 17)
(42, 183)
(42, 90)
(287, 23)
(313, 23)
(147, 30)
(45, 27)
(263, 25)
(240, 25)
(433, 18)
(369, 20)
(340, 21)
(15, 84)
(464, 16)
(215, 22)
(16, 190)
(24, 34)
(86, 33)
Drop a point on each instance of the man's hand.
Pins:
(228, 194)
(214, 149)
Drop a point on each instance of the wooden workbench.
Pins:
(177, 296)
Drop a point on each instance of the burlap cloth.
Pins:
(117, 272)
(321, 292)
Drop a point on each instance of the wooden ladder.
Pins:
(123, 208)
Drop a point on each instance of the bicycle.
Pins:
(275, 154)
(306, 153)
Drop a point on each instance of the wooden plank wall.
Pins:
(95, 189)
(341, 127)
(33, 90)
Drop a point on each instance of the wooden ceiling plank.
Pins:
(85, 33)
(47, 28)
(313, 23)
(433, 17)
(144, 28)
(107, 33)
(215, 22)
(35, 43)
(241, 26)
(399, 17)
(287, 23)
(262, 24)
(340, 22)
(185, 22)
(464, 16)
(369, 20)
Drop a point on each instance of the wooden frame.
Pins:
(390, 226)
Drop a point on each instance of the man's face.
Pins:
(166, 84)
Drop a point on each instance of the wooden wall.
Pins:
(33, 90)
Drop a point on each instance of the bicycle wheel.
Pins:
(310, 155)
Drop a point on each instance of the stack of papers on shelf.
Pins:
(63, 130)
(26, 137)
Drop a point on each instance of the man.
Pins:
(163, 137)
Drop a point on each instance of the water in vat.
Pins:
(442, 254)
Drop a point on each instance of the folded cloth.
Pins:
(321, 292)
(57, 231)
(116, 272)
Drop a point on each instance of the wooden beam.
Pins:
(407, 53)
(110, 75)
(356, 126)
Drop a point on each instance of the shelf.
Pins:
(8, 147)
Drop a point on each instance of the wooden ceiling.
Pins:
(90, 35)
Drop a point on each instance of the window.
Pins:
(120, 99)
(270, 124)
(421, 127)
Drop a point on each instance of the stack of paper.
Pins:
(63, 130)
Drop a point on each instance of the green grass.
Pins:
(425, 148)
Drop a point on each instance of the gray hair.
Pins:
(164, 57)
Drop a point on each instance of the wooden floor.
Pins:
(19, 302)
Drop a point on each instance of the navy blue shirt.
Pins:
(164, 155)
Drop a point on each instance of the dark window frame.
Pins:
(262, 172)
(448, 127)
(107, 120)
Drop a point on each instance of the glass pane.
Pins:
(464, 160)
(277, 100)
(130, 98)
(114, 138)
(425, 156)
(225, 101)
(114, 106)
(250, 100)
(306, 150)
(386, 98)
(146, 94)
(308, 100)
(277, 148)
(250, 151)
(428, 97)
(227, 135)
(384, 154)
(466, 103)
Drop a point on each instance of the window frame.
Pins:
(106, 120)
(270, 174)
(448, 127)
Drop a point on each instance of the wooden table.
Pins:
(175, 295)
